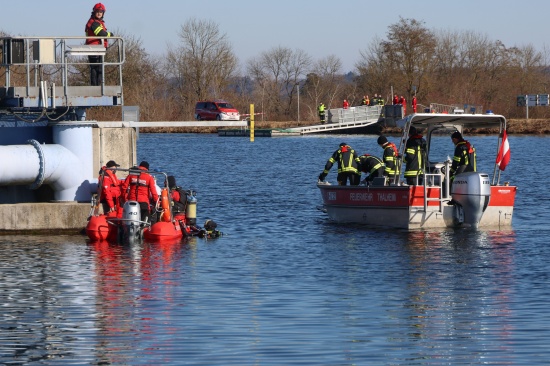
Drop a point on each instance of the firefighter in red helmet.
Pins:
(96, 28)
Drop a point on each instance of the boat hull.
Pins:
(404, 206)
(161, 231)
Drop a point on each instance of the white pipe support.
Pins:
(36, 164)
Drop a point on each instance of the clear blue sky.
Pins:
(320, 28)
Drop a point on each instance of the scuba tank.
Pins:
(191, 209)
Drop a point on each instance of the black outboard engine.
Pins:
(130, 230)
(471, 193)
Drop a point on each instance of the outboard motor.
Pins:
(131, 223)
(471, 193)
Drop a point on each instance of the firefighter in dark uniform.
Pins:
(348, 166)
(415, 154)
(464, 159)
(96, 28)
(389, 158)
(371, 165)
(321, 111)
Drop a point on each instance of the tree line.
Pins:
(446, 67)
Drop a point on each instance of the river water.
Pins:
(284, 286)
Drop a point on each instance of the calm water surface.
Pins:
(284, 286)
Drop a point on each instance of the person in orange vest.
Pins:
(413, 103)
(140, 186)
(345, 104)
(109, 187)
(95, 27)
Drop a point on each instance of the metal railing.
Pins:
(354, 114)
(55, 57)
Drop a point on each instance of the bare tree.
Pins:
(403, 60)
(323, 84)
(203, 63)
(276, 74)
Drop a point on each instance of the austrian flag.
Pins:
(503, 157)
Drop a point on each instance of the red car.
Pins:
(218, 109)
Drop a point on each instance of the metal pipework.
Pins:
(36, 164)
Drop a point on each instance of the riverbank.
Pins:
(515, 126)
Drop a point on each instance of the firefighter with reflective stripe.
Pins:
(348, 164)
(371, 165)
(389, 158)
(415, 152)
(140, 186)
(321, 111)
(109, 187)
(95, 27)
(464, 159)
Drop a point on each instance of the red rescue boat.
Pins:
(475, 199)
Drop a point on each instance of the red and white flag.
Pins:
(503, 157)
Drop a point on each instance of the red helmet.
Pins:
(99, 7)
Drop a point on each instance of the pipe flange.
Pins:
(41, 173)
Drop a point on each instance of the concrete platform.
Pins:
(43, 218)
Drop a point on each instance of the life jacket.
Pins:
(93, 30)
(138, 185)
(108, 187)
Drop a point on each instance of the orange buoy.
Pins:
(165, 204)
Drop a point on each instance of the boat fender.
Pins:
(165, 204)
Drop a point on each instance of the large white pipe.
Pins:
(37, 164)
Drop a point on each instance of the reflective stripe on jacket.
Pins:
(96, 28)
(347, 160)
(464, 159)
(390, 159)
(414, 152)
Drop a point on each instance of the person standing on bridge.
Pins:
(403, 102)
(96, 28)
(321, 111)
(345, 105)
(348, 166)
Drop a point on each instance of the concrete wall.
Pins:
(114, 143)
(18, 215)
(44, 217)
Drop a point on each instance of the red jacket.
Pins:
(139, 187)
(110, 187)
(96, 28)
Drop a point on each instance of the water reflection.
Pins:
(133, 283)
(459, 288)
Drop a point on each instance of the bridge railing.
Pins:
(354, 114)
(28, 61)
